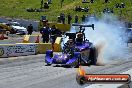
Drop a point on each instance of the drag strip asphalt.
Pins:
(33, 73)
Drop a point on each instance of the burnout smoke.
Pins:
(108, 37)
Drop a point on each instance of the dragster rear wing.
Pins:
(83, 25)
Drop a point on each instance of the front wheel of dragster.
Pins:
(93, 56)
(80, 79)
(49, 55)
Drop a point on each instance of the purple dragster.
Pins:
(76, 51)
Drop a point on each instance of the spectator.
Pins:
(45, 33)
(106, 1)
(69, 18)
(117, 5)
(76, 8)
(53, 34)
(46, 6)
(83, 18)
(79, 8)
(86, 9)
(76, 19)
(122, 5)
(92, 1)
(30, 29)
(62, 18)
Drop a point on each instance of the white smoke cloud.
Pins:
(108, 37)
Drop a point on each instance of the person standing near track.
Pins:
(106, 1)
(45, 31)
(53, 33)
(76, 19)
(69, 18)
(83, 18)
(30, 29)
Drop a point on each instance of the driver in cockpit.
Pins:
(79, 37)
(70, 43)
(70, 46)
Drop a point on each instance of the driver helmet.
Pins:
(70, 43)
(79, 35)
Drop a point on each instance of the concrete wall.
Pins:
(22, 49)
(9, 50)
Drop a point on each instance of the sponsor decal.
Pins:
(1, 51)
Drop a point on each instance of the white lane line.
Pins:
(110, 85)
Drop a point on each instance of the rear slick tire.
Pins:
(93, 56)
